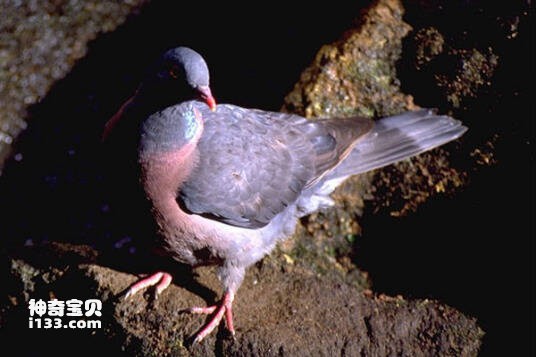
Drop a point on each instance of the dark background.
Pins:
(472, 250)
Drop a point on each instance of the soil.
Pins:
(280, 311)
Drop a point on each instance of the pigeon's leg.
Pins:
(161, 279)
(224, 307)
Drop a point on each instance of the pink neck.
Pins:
(163, 174)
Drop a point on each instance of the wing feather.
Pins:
(253, 164)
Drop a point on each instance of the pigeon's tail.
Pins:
(397, 138)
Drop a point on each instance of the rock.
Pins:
(357, 76)
(38, 48)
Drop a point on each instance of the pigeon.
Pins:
(225, 184)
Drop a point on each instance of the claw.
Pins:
(202, 310)
(225, 307)
(160, 279)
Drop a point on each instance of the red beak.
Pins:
(206, 95)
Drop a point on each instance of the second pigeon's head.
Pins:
(180, 74)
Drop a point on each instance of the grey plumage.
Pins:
(253, 164)
(400, 137)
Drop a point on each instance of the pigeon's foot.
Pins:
(160, 279)
(224, 307)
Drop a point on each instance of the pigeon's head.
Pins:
(182, 74)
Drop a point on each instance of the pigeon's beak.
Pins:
(206, 95)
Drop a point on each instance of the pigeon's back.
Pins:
(252, 164)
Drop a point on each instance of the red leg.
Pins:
(225, 307)
(160, 279)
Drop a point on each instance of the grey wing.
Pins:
(400, 137)
(253, 164)
(247, 171)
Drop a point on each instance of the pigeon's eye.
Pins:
(175, 71)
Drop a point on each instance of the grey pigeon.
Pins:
(226, 183)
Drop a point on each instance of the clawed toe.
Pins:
(161, 279)
(224, 308)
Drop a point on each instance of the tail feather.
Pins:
(397, 138)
